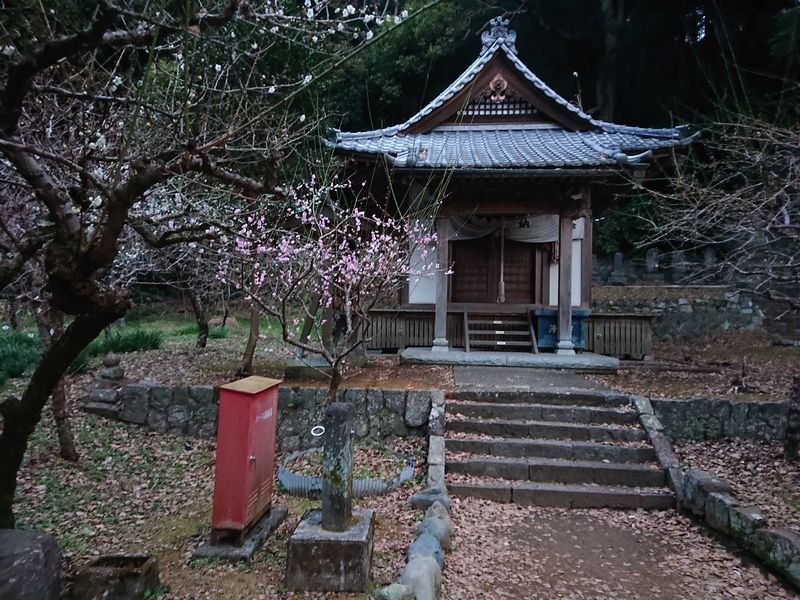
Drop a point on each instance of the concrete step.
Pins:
(543, 412)
(565, 496)
(554, 470)
(553, 430)
(563, 398)
(568, 450)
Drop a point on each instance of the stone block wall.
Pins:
(192, 411)
(715, 418)
(712, 499)
(686, 318)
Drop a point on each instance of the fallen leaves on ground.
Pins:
(757, 472)
(504, 551)
(712, 367)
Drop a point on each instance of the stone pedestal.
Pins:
(251, 541)
(330, 561)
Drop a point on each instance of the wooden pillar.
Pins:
(565, 345)
(440, 343)
(586, 262)
(586, 247)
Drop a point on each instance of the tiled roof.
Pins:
(507, 145)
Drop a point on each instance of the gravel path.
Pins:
(507, 551)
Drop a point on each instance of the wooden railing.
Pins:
(620, 334)
(613, 334)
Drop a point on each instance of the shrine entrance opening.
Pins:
(478, 265)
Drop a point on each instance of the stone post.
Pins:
(440, 343)
(791, 445)
(565, 345)
(337, 468)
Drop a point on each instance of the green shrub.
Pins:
(119, 342)
(127, 341)
(217, 333)
(18, 353)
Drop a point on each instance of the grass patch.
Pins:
(18, 352)
(214, 333)
(119, 342)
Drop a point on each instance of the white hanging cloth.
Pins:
(539, 229)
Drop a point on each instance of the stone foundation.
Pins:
(192, 411)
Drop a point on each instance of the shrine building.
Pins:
(511, 167)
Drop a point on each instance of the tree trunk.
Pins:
(613, 12)
(791, 445)
(336, 381)
(50, 323)
(201, 317)
(21, 416)
(250, 349)
(13, 316)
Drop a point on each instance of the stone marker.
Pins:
(709, 257)
(337, 468)
(619, 261)
(331, 549)
(651, 260)
(618, 275)
(678, 264)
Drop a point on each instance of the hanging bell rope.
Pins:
(501, 297)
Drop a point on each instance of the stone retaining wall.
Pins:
(192, 411)
(712, 499)
(715, 418)
(687, 318)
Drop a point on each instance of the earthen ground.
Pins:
(504, 551)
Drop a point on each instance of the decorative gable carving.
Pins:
(498, 99)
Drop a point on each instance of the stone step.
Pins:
(544, 412)
(568, 450)
(563, 398)
(565, 496)
(555, 470)
(553, 430)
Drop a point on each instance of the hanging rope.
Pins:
(501, 298)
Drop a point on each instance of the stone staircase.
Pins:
(580, 449)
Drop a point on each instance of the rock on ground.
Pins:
(29, 565)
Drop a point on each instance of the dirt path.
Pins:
(506, 551)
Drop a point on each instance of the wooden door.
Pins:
(518, 273)
(473, 277)
(476, 271)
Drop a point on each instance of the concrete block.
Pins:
(331, 561)
(435, 450)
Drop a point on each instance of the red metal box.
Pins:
(245, 465)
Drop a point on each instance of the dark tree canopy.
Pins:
(643, 63)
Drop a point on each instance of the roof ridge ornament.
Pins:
(499, 30)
